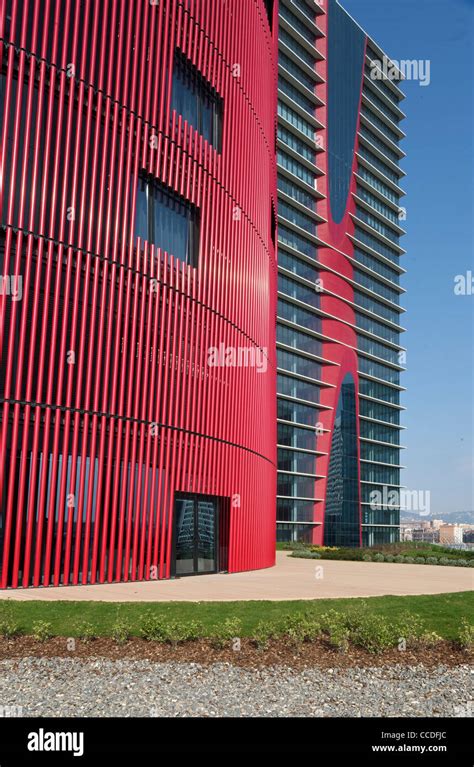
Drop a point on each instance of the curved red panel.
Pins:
(109, 405)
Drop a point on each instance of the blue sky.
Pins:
(439, 240)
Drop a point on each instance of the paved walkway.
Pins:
(289, 579)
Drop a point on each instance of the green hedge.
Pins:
(372, 555)
(406, 549)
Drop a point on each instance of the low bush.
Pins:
(338, 637)
(399, 558)
(429, 639)
(389, 557)
(409, 627)
(420, 560)
(305, 554)
(374, 634)
(154, 628)
(460, 562)
(226, 632)
(262, 633)
(300, 628)
(409, 560)
(120, 631)
(445, 561)
(432, 560)
(85, 631)
(180, 631)
(378, 557)
(325, 549)
(351, 555)
(466, 635)
(9, 627)
(335, 630)
(367, 558)
(42, 630)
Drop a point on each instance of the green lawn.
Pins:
(441, 613)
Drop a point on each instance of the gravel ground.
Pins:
(99, 687)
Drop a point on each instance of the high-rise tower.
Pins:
(338, 331)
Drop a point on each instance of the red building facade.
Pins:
(138, 302)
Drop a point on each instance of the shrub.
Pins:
(42, 630)
(445, 561)
(389, 557)
(409, 560)
(325, 549)
(153, 628)
(300, 628)
(183, 631)
(262, 634)
(420, 560)
(432, 560)
(409, 627)
(430, 639)
(466, 635)
(367, 558)
(354, 617)
(85, 631)
(335, 630)
(399, 558)
(470, 563)
(305, 554)
(9, 627)
(338, 637)
(226, 631)
(374, 634)
(378, 557)
(332, 618)
(120, 630)
(460, 562)
(350, 555)
(294, 546)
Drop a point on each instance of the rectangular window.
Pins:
(196, 100)
(167, 220)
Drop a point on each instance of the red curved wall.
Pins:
(104, 360)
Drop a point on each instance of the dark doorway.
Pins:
(200, 522)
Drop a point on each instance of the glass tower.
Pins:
(339, 356)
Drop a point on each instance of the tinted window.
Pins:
(167, 220)
(196, 101)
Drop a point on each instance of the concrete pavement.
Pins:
(289, 579)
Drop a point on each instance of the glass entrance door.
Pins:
(195, 534)
(206, 536)
(184, 536)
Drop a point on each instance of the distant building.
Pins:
(449, 534)
(425, 535)
(468, 535)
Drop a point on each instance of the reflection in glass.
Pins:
(341, 519)
(184, 513)
(206, 536)
(196, 521)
